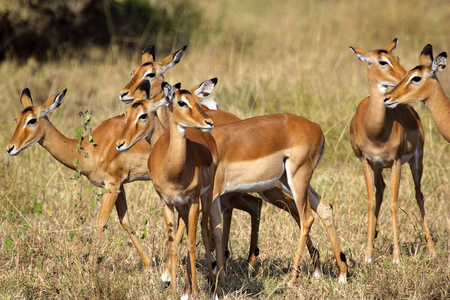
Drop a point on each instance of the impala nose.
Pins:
(119, 146)
(386, 99)
(10, 149)
(121, 95)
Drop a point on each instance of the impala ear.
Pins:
(168, 91)
(392, 45)
(25, 98)
(439, 63)
(205, 88)
(361, 53)
(52, 103)
(177, 86)
(173, 59)
(142, 92)
(148, 55)
(426, 56)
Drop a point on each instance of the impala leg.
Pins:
(227, 214)
(216, 229)
(122, 212)
(191, 243)
(165, 277)
(325, 212)
(299, 184)
(109, 200)
(380, 186)
(276, 197)
(206, 209)
(368, 175)
(416, 166)
(169, 216)
(250, 204)
(395, 185)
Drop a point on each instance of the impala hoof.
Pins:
(368, 260)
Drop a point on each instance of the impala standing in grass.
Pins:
(182, 166)
(386, 138)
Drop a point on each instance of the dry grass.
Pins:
(269, 57)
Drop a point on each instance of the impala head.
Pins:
(418, 83)
(150, 70)
(141, 118)
(383, 65)
(29, 123)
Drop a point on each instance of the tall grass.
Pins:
(269, 57)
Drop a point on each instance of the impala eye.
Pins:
(151, 75)
(32, 122)
(382, 63)
(143, 117)
(416, 79)
(182, 104)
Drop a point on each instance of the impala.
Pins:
(421, 84)
(105, 167)
(273, 195)
(151, 70)
(386, 138)
(182, 166)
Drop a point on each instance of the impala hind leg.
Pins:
(276, 197)
(416, 166)
(299, 183)
(325, 212)
(250, 204)
(122, 212)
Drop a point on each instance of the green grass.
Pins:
(269, 57)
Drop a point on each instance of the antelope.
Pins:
(247, 167)
(182, 165)
(386, 138)
(150, 70)
(105, 167)
(421, 84)
(273, 195)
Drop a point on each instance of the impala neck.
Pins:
(439, 107)
(59, 146)
(375, 119)
(176, 153)
(157, 131)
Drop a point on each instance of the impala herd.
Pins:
(202, 159)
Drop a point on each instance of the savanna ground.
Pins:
(269, 57)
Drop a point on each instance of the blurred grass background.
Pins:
(269, 57)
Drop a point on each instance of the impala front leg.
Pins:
(109, 200)
(169, 216)
(368, 175)
(122, 212)
(395, 185)
(192, 226)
